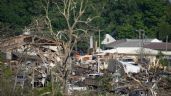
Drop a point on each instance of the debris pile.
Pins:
(36, 61)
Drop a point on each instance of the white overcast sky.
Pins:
(170, 1)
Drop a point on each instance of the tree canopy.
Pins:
(120, 18)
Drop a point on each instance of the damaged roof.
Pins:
(18, 41)
(159, 46)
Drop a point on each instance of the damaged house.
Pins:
(30, 57)
(137, 48)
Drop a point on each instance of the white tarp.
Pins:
(98, 50)
(91, 41)
(130, 68)
(131, 50)
(156, 40)
(108, 39)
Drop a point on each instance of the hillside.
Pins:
(120, 18)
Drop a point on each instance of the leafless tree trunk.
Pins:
(69, 9)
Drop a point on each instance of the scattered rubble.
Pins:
(32, 59)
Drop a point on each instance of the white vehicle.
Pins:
(72, 87)
(130, 66)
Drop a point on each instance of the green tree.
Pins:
(16, 14)
(125, 31)
(162, 60)
(164, 30)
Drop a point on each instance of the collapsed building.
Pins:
(30, 57)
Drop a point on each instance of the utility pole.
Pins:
(99, 38)
(166, 47)
(98, 59)
(98, 65)
(166, 42)
(142, 46)
(141, 36)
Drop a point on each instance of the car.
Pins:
(72, 88)
(94, 75)
(138, 92)
(130, 66)
(128, 60)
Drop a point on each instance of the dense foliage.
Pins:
(120, 18)
(16, 14)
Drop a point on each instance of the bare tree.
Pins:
(76, 29)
